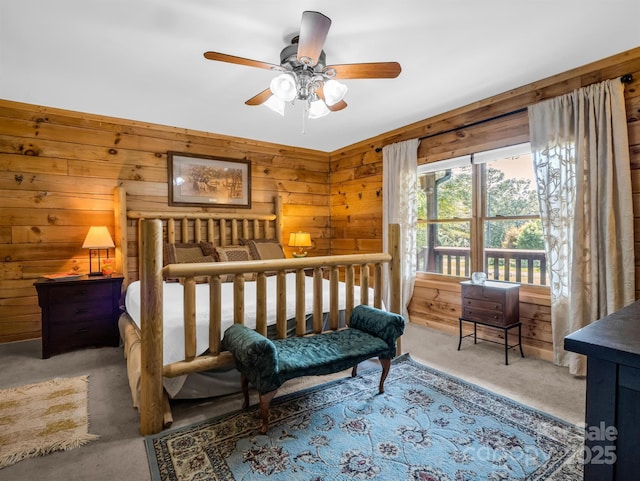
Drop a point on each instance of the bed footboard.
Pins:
(151, 275)
(367, 269)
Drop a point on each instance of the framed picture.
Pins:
(203, 180)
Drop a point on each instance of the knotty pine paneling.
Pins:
(356, 184)
(58, 170)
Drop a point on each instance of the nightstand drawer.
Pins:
(77, 293)
(482, 293)
(478, 304)
(80, 311)
(481, 315)
(99, 332)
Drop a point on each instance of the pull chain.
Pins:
(305, 114)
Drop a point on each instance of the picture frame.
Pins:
(204, 180)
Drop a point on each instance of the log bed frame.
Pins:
(152, 229)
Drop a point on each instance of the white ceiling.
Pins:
(143, 59)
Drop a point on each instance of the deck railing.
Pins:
(515, 265)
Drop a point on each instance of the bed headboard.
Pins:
(219, 228)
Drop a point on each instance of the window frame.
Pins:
(478, 208)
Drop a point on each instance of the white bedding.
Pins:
(173, 309)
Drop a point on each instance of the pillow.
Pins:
(208, 249)
(235, 254)
(265, 249)
(180, 253)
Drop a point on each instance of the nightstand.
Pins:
(494, 304)
(79, 313)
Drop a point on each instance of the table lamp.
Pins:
(299, 240)
(98, 238)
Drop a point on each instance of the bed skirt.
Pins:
(198, 385)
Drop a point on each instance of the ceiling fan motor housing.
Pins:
(307, 77)
(289, 57)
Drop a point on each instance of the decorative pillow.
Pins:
(234, 254)
(265, 249)
(208, 249)
(180, 253)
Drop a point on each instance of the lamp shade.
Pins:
(299, 239)
(98, 238)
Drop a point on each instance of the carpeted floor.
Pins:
(120, 451)
(40, 418)
(427, 425)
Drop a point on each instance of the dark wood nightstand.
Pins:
(493, 304)
(79, 313)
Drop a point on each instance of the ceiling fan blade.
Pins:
(337, 106)
(366, 70)
(223, 57)
(313, 33)
(259, 99)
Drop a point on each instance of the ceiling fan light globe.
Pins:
(334, 92)
(284, 87)
(275, 104)
(317, 109)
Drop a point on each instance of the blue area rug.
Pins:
(427, 426)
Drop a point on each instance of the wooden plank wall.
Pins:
(57, 174)
(58, 168)
(356, 184)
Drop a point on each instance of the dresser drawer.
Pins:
(482, 293)
(75, 293)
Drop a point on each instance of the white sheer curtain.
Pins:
(581, 160)
(399, 187)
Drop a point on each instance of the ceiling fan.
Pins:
(305, 75)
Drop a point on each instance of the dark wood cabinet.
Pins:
(493, 304)
(79, 313)
(612, 415)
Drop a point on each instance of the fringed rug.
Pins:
(41, 418)
(427, 426)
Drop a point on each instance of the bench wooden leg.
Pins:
(244, 382)
(265, 401)
(386, 365)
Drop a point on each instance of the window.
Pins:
(480, 213)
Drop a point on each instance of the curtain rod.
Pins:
(473, 124)
(625, 79)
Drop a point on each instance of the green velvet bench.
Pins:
(267, 364)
